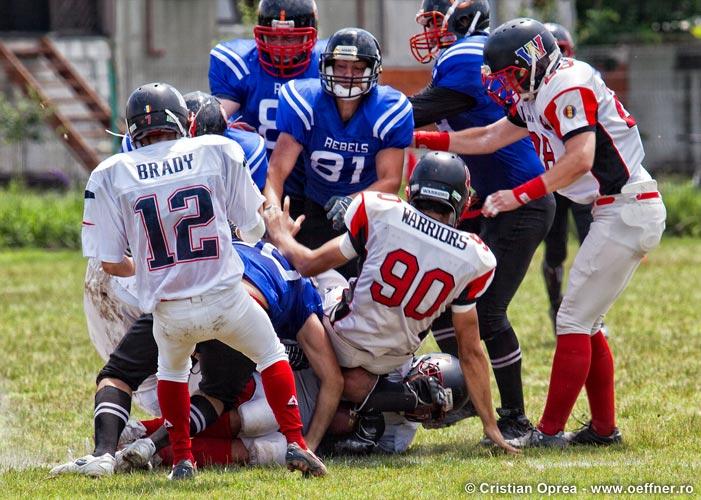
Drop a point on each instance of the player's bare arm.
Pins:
(577, 161)
(476, 370)
(322, 359)
(472, 141)
(123, 269)
(281, 229)
(281, 163)
(389, 163)
(229, 106)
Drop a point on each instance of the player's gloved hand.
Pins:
(336, 210)
(295, 354)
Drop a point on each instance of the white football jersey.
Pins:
(575, 99)
(169, 203)
(413, 267)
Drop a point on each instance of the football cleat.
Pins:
(137, 455)
(304, 460)
(512, 423)
(586, 435)
(538, 439)
(132, 431)
(183, 470)
(88, 465)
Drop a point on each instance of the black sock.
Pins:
(444, 333)
(112, 408)
(202, 415)
(505, 356)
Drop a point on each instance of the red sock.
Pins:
(569, 372)
(174, 399)
(600, 390)
(212, 451)
(279, 385)
(152, 425)
(220, 429)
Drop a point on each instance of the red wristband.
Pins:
(438, 141)
(531, 190)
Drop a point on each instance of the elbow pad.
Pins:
(253, 235)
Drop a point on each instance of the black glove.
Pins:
(298, 360)
(336, 210)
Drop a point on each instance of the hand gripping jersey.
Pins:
(413, 268)
(459, 68)
(340, 157)
(291, 298)
(236, 74)
(169, 202)
(573, 100)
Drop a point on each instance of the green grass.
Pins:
(46, 389)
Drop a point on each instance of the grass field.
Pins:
(46, 389)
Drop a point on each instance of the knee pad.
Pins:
(268, 449)
(257, 418)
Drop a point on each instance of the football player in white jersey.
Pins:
(169, 201)
(592, 151)
(414, 264)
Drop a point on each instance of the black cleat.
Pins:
(183, 470)
(586, 435)
(304, 460)
(512, 423)
(369, 430)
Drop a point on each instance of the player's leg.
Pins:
(250, 332)
(555, 254)
(513, 238)
(582, 219)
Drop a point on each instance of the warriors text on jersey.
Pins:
(573, 100)
(235, 73)
(340, 157)
(413, 268)
(169, 202)
(459, 68)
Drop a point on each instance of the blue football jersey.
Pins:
(459, 68)
(339, 157)
(253, 147)
(291, 298)
(236, 74)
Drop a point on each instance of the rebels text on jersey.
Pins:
(169, 203)
(413, 268)
(235, 73)
(291, 298)
(340, 157)
(459, 68)
(572, 100)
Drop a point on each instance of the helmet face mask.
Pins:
(285, 36)
(444, 22)
(446, 369)
(153, 109)
(350, 66)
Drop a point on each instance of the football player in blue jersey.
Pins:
(247, 77)
(453, 35)
(350, 131)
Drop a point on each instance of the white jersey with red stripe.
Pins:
(572, 100)
(169, 202)
(413, 267)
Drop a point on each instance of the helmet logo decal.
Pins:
(435, 193)
(283, 14)
(533, 51)
(346, 52)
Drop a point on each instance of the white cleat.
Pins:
(88, 465)
(134, 430)
(138, 454)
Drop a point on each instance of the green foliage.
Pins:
(44, 220)
(248, 10)
(22, 119)
(683, 202)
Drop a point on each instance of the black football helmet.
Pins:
(350, 44)
(563, 37)
(444, 21)
(205, 114)
(446, 368)
(155, 107)
(285, 36)
(441, 182)
(518, 55)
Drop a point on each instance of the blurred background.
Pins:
(67, 66)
